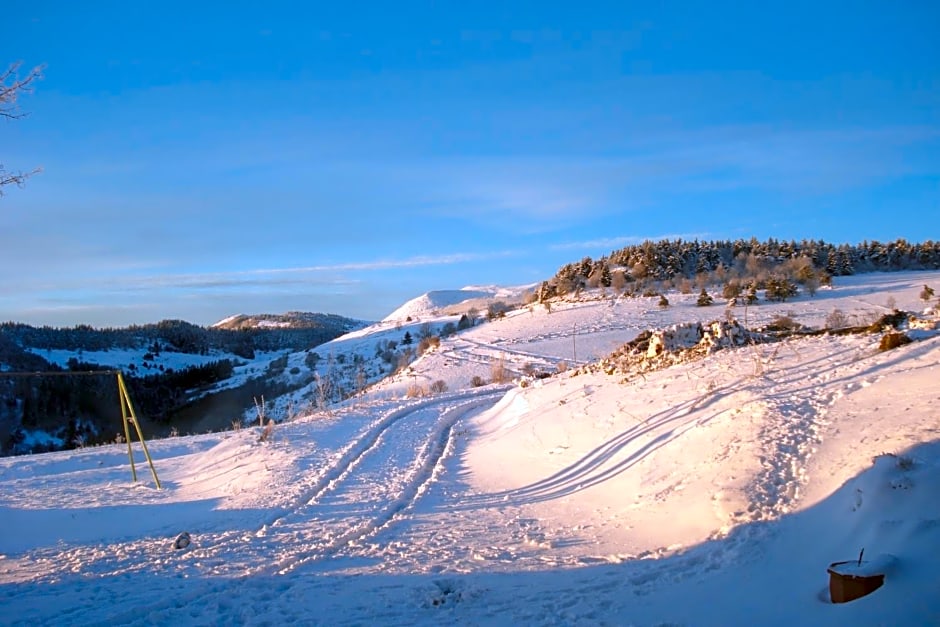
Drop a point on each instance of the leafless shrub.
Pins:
(496, 310)
(732, 289)
(267, 431)
(290, 410)
(561, 366)
(875, 320)
(439, 387)
(477, 381)
(836, 319)
(267, 428)
(324, 389)
(784, 323)
(259, 407)
(498, 371)
(905, 462)
(404, 359)
(428, 343)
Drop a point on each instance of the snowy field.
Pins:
(712, 492)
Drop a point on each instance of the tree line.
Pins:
(178, 336)
(680, 263)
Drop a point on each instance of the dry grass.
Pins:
(498, 371)
(893, 340)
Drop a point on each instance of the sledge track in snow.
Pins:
(614, 456)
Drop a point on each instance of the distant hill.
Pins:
(289, 320)
(178, 374)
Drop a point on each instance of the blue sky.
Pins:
(204, 159)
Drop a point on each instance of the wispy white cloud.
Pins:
(310, 277)
(534, 193)
(207, 296)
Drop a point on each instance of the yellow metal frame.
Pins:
(130, 417)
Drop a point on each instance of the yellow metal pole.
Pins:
(133, 417)
(127, 431)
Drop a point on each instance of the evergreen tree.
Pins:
(606, 278)
(845, 264)
(704, 299)
(780, 289)
(751, 298)
(731, 290)
(743, 259)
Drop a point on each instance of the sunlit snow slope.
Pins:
(713, 492)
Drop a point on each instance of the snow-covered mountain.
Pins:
(438, 302)
(510, 474)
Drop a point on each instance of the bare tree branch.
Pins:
(11, 86)
(15, 178)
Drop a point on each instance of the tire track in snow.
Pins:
(354, 453)
(424, 471)
(301, 526)
(295, 525)
(235, 563)
(343, 466)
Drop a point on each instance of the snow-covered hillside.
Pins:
(713, 492)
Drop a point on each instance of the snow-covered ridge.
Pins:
(439, 302)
